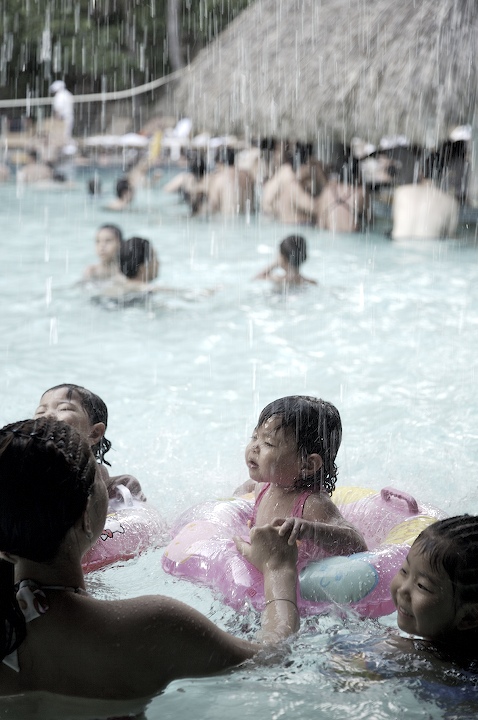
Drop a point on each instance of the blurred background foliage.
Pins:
(102, 45)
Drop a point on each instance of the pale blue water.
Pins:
(389, 335)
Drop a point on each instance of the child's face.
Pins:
(423, 597)
(272, 455)
(55, 404)
(107, 245)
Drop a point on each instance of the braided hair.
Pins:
(452, 544)
(47, 472)
(96, 410)
(317, 429)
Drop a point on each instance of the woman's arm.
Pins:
(164, 639)
(277, 560)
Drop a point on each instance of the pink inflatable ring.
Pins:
(202, 550)
(131, 528)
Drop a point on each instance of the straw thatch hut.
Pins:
(312, 69)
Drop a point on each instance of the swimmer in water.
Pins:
(285, 271)
(108, 243)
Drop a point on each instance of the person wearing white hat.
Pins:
(63, 107)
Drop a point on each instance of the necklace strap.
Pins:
(66, 588)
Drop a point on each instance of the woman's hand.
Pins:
(277, 560)
(267, 549)
(294, 528)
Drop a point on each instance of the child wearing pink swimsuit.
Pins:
(291, 459)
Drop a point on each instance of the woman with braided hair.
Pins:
(55, 637)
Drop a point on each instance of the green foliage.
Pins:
(99, 44)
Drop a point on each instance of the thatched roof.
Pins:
(308, 69)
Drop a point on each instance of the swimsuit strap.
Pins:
(33, 603)
(256, 504)
(298, 509)
(337, 201)
(31, 599)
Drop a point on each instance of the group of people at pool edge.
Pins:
(54, 490)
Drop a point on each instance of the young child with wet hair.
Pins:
(88, 414)
(436, 589)
(285, 271)
(291, 461)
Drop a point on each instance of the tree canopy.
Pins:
(100, 45)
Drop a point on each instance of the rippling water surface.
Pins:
(389, 335)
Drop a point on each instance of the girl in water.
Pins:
(108, 244)
(436, 589)
(435, 593)
(285, 271)
(88, 414)
(55, 637)
(291, 461)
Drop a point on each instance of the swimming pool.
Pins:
(390, 335)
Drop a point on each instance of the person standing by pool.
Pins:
(63, 108)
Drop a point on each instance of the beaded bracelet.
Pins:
(283, 600)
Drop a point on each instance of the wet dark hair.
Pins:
(452, 545)
(114, 229)
(294, 249)
(94, 186)
(123, 186)
(47, 472)
(96, 410)
(134, 252)
(197, 164)
(317, 429)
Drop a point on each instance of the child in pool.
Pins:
(436, 589)
(291, 461)
(88, 414)
(108, 242)
(435, 593)
(292, 253)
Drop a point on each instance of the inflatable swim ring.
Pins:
(131, 527)
(202, 550)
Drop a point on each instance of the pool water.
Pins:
(390, 335)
